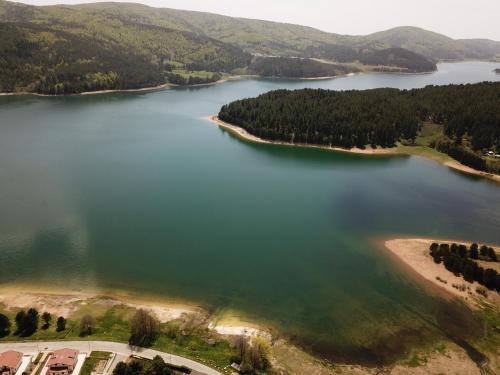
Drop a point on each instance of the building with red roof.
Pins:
(10, 362)
(62, 362)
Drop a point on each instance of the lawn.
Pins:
(92, 360)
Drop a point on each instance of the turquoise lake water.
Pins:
(139, 192)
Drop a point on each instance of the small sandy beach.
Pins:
(414, 253)
(465, 169)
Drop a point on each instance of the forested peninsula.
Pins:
(462, 121)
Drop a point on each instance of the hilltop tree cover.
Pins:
(461, 261)
(71, 49)
(296, 68)
(66, 51)
(470, 115)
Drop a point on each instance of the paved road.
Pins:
(122, 351)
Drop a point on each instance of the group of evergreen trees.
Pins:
(462, 261)
(288, 67)
(135, 367)
(470, 115)
(401, 58)
(27, 323)
(178, 79)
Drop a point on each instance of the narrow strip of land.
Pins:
(120, 349)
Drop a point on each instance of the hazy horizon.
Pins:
(454, 18)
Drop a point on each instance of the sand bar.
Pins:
(414, 252)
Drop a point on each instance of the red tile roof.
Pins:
(66, 357)
(10, 359)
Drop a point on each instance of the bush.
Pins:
(27, 322)
(482, 291)
(61, 324)
(4, 325)
(144, 328)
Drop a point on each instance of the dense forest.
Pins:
(67, 52)
(468, 114)
(42, 59)
(380, 59)
(296, 68)
(463, 261)
(71, 49)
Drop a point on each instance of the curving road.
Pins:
(122, 351)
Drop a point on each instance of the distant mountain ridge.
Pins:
(69, 49)
(437, 46)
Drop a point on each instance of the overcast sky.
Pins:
(455, 18)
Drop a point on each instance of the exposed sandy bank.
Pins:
(414, 252)
(62, 302)
(144, 89)
(243, 134)
(291, 360)
(66, 302)
(463, 168)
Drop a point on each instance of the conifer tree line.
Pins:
(287, 67)
(470, 115)
(462, 261)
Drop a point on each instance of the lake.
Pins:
(137, 191)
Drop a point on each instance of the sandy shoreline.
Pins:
(65, 302)
(414, 253)
(465, 169)
(243, 134)
(144, 89)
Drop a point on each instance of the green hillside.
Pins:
(69, 49)
(437, 46)
(60, 50)
(288, 67)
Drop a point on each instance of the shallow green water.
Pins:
(136, 191)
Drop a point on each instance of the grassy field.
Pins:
(429, 133)
(191, 73)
